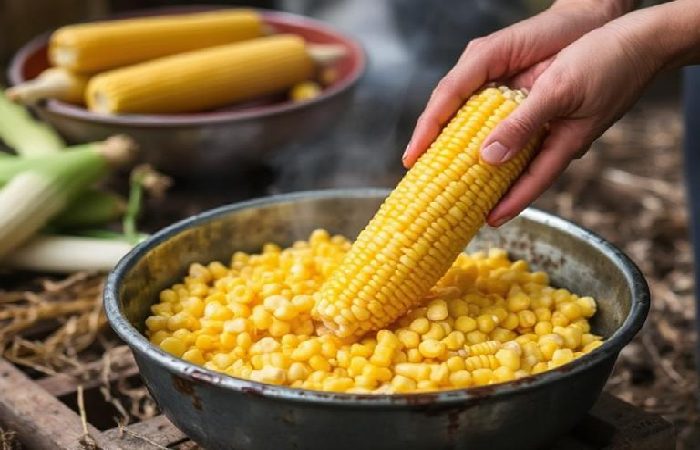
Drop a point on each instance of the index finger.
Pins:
(449, 95)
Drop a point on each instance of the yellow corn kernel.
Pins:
(401, 384)
(486, 323)
(571, 310)
(156, 323)
(561, 356)
(592, 346)
(482, 377)
(503, 374)
(543, 314)
(542, 328)
(206, 342)
(306, 90)
(460, 379)
(437, 310)
(465, 324)
(559, 319)
(173, 345)
(306, 350)
(518, 303)
(455, 340)
(158, 337)
(432, 348)
(415, 371)
(539, 368)
(484, 348)
(587, 338)
(455, 363)
(318, 362)
(382, 356)
(420, 325)
(511, 322)
(194, 355)
(476, 337)
(587, 305)
(508, 358)
(527, 318)
(409, 338)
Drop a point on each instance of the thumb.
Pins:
(514, 132)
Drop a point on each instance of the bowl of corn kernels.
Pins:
(228, 317)
(212, 89)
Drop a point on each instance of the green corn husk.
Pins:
(65, 254)
(25, 135)
(12, 166)
(32, 198)
(90, 209)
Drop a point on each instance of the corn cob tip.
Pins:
(118, 150)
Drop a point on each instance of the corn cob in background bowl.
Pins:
(229, 117)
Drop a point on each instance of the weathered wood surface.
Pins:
(41, 421)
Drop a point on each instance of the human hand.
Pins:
(520, 54)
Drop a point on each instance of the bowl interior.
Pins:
(573, 258)
(32, 59)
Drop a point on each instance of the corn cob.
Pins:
(425, 223)
(56, 83)
(203, 79)
(94, 47)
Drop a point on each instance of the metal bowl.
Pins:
(209, 144)
(221, 412)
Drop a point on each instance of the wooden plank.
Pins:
(67, 383)
(40, 420)
(147, 435)
(616, 425)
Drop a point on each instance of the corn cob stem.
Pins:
(425, 222)
(55, 83)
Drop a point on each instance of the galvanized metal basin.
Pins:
(222, 412)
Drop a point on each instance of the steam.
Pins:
(410, 44)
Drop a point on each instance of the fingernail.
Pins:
(498, 222)
(495, 153)
(405, 152)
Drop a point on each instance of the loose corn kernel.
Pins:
(432, 348)
(508, 358)
(465, 324)
(173, 345)
(461, 378)
(253, 320)
(437, 310)
(542, 328)
(482, 376)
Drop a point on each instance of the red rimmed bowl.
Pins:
(210, 143)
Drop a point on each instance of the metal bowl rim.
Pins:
(14, 76)
(611, 346)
